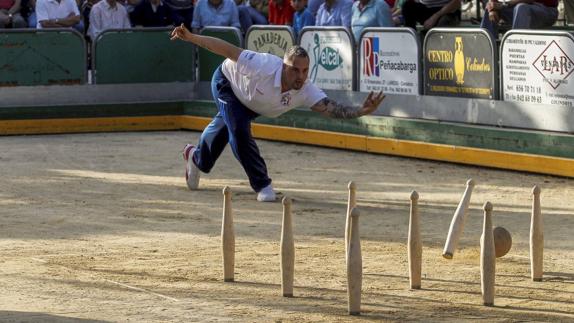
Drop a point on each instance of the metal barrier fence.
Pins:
(207, 61)
(42, 57)
(141, 55)
(535, 66)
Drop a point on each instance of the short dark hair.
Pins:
(295, 51)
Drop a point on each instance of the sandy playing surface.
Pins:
(102, 227)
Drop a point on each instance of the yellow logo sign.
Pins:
(459, 60)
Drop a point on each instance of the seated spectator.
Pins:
(58, 14)
(181, 12)
(335, 13)
(313, 6)
(397, 13)
(107, 14)
(151, 13)
(249, 16)
(10, 14)
(262, 6)
(280, 12)
(524, 14)
(28, 12)
(85, 9)
(302, 17)
(431, 13)
(215, 13)
(370, 13)
(130, 5)
(569, 11)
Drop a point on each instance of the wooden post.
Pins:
(354, 266)
(536, 237)
(487, 258)
(287, 250)
(415, 250)
(228, 238)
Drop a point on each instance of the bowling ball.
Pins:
(502, 241)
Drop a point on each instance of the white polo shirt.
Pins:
(256, 81)
(52, 9)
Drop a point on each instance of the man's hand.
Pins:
(372, 102)
(430, 22)
(212, 44)
(334, 109)
(181, 33)
(493, 6)
(494, 17)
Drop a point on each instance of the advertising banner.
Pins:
(331, 57)
(270, 39)
(537, 68)
(459, 63)
(389, 61)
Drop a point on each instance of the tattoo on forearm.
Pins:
(334, 109)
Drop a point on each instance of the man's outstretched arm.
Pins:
(334, 109)
(214, 45)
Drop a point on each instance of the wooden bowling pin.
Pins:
(354, 265)
(287, 250)
(228, 237)
(536, 237)
(457, 223)
(415, 250)
(487, 258)
(351, 203)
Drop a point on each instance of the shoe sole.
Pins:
(192, 183)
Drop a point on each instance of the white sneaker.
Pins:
(191, 171)
(267, 194)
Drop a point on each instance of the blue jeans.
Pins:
(523, 16)
(232, 125)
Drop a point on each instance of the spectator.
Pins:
(569, 11)
(302, 17)
(10, 14)
(58, 14)
(28, 11)
(215, 13)
(249, 16)
(280, 13)
(182, 11)
(431, 13)
(524, 14)
(107, 14)
(152, 13)
(85, 10)
(397, 13)
(262, 6)
(130, 5)
(335, 13)
(370, 13)
(313, 6)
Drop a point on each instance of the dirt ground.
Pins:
(101, 227)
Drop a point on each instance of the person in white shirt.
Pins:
(249, 84)
(58, 14)
(107, 14)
